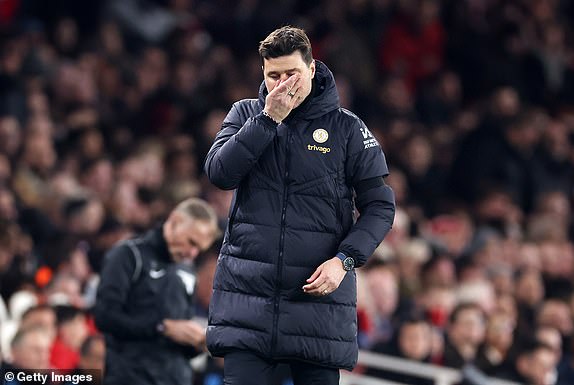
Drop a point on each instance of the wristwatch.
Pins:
(348, 262)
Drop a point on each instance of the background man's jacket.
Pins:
(140, 286)
(292, 211)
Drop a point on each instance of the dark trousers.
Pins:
(245, 368)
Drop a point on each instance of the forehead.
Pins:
(414, 327)
(284, 63)
(469, 314)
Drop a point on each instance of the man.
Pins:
(31, 348)
(412, 341)
(465, 333)
(383, 288)
(92, 358)
(144, 303)
(285, 289)
(72, 330)
(535, 364)
(42, 315)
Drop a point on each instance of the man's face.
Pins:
(283, 67)
(187, 237)
(33, 352)
(468, 328)
(538, 367)
(415, 340)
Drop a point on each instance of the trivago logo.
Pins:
(324, 150)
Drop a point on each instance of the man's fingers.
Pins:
(294, 95)
(295, 89)
(322, 290)
(314, 285)
(315, 274)
(286, 86)
(315, 281)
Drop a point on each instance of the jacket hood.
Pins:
(324, 95)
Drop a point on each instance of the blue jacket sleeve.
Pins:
(109, 312)
(238, 147)
(376, 204)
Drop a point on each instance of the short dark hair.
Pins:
(464, 306)
(531, 345)
(284, 41)
(67, 313)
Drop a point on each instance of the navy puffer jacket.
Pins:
(293, 209)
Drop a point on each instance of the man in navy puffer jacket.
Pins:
(285, 289)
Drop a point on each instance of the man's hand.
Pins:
(326, 279)
(185, 332)
(282, 99)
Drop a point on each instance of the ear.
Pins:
(312, 67)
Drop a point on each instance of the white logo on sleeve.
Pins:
(370, 140)
(188, 281)
(320, 135)
(156, 274)
(366, 133)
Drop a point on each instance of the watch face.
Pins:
(348, 263)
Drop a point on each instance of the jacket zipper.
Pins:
(338, 208)
(281, 244)
(233, 212)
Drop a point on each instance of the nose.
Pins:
(284, 77)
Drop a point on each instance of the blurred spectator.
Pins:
(65, 289)
(556, 314)
(31, 349)
(42, 316)
(92, 357)
(552, 338)
(412, 341)
(465, 334)
(413, 44)
(72, 331)
(494, 356)
(82, 216)
(10, 136)
(439, 271)
(529, 292)
(534, 365)
(384, 291)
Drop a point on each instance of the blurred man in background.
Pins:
(145, 300)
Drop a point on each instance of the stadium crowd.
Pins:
(107, 110)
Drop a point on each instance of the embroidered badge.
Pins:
(320, 135)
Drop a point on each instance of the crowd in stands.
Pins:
(108, 108)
